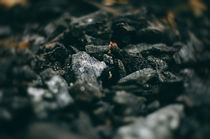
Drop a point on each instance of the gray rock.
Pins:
(108, 59)
(50, 131)
(144, 48)
(89, 19)
(157, 63)
(85, 92)
(87, 68)
(130, 104)
(142, 75)
(193, 52)
(59, 87)
(57, 96)
(92, 49)
(158, 125)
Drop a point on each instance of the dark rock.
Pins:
(148, 49)
(157, 63)
(49, 131)
(157, 33)
(197, 88)
(85, 28)
(93, 49)
(193, 52)
(54, 52)
(85, 92)
(4, 31)
(103, 111)
(129, 104)
(113, 73)
(125, 29)
(58, 26)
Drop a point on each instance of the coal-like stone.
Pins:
(194, 52)
(129, 104)
(93, 49)
(85, 92)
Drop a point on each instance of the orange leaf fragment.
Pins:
(11, 3)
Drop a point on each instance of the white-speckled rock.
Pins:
(158, 125)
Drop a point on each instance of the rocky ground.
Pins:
(74, 69)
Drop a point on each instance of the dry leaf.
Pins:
(11, 3)
(171, 19)
(10, 42)
(123, 1)
(198, 7)
(23, 45)
(109, 2)
(112, 2)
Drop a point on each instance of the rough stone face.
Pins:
(193, 52)
(87, 68)
(57, 94)
(146, 49)
(144, 75)
(158, 125)
(85, 92)
(59, 87)
(91, 49)
(129, 104)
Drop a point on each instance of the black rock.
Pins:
(129, 104)
(85, 92)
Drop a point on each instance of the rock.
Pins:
(108, 59)
(59, 87)
(49, 131)
(56, 97)
(56, 27)
(125, 28)
(93, 49)
(90, 19)
(157, 63)
(83, 126)
(85, 92)
(41, 107)
(113, 73)
(89, 29)
(129, 104)
(195, 88)
(150, 49)
(194, 52)
(142, 76)
(156, 32)
(158, 125)
(97, 51)
(87, 68)
(103, 111)
(54, 52)
(134, 60)
(4, 31)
